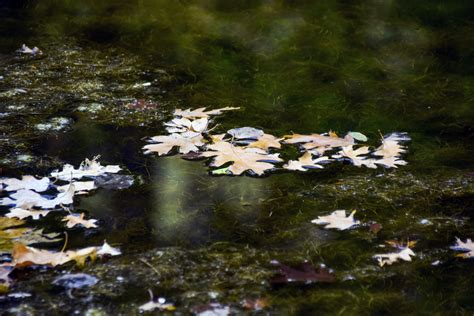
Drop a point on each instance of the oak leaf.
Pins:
(22, 213)
(266, 142)
(467, 247)
(306, 162)
(73, 220)
(88, 168)
(253, 159)
(200, 112)
(355, 155)
(390, 258)
(318, 140)
(26, 182)
(166, 143)
(31, 198)
(337, 219)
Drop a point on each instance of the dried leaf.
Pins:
(200, 112)
(107, 250)
(242, 158)
(24, 213)
(88, 168)
(26, 182)
(167, 142)
(306, 162)
(355, 156)
(80, 187)
(305, 273)
(266, 142)
(31, 198)
(24, 256)
(337, 219)
(160, 304)
(467, 247)
(73, 220)
(317, 140)
(390, 258)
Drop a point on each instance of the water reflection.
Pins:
(191, 207)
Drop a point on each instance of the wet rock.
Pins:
(55, 124)
(75, 281)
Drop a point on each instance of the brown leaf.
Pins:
(265, 142)
(200, 112)
(304, 273)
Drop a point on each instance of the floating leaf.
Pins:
(24, 213)
(107, 250)
(467, 247)
(24, 256)
(167, 142)
(73, 220)
(243, 159)
(390, 258)
(160, 304)
(266, 142)
(80, 187)
(337, 219)
(306, 162)
(355, 155)
(31, 198)
(200, 112)
(88, 168)
(26, 182)
(358, 136)
(317, 140)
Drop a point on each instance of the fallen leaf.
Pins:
(88, 168)
(467, 247)
(317, 140)
(306, 162)
(31, 198)
(24, 256)
(255, 304)
(200, 112)
(355, 156)
(390, 162)
(266, 142)
(167, 142)
(80, 187)
(160, 304)
(107, 250)
(73, 220)
(24, 213)
(26, 50)
(337, 219)
(182, 125)
(390, 258)
(26, 182)
(304, 273)
(242, 158)
(375, 228)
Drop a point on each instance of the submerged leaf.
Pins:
(160, 304)
(305, 273)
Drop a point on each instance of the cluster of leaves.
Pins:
(34, 198)
(248, 149)
(340, 221)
